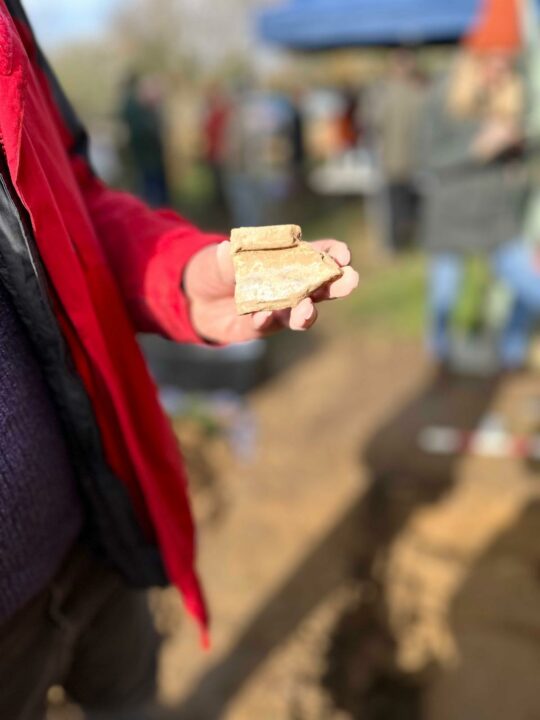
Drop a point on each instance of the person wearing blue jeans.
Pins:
(517, 266)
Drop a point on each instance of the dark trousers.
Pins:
(89, 634)
(402, 207)
(153, 187)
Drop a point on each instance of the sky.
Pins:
(59, 21)
(56, 21)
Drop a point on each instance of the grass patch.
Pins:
(391, 299)
(332, 218)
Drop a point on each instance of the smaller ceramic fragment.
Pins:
(271, 237)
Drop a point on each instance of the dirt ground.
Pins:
(331, 565)
(278, 563)
(351, 575)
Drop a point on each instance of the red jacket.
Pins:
(115, 268)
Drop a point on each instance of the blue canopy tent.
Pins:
(320, 24)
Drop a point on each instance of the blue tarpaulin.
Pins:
(319, 24)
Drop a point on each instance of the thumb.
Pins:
(225, 262)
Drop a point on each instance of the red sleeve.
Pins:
(148, 252)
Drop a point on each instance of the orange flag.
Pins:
(498, 28)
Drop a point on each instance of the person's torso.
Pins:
(40, 512)
(399, 121)
(469, 206)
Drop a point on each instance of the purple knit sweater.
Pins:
(40, 513)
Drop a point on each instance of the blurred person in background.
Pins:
(215, 121)
(246, 143)
(93, 499)
(141, 113)
(349, 120)
(394, 118)
(297, 139)
(476, 181)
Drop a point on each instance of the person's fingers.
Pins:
(312, 319)
(241, 328)
(263, 320)
(344, 285)
(303, 315)
(268, 322)
(337, 250)
(225, 262)
(340, 288)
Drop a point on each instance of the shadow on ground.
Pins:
(494, 620)
(489, 619)
(360, 676)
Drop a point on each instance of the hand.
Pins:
(209, 287)
(496, 138)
